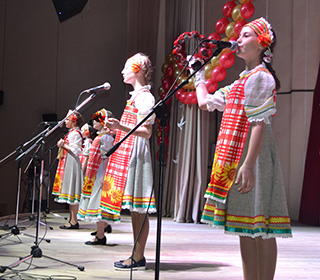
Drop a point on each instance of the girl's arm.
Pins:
(246, 172)
(144, 131)
(202, 92)
(62, 144)
(85, 163)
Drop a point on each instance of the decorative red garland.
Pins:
(216, 70)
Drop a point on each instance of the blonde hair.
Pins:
(145, 66)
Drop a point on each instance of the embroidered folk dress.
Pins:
(89, 208)
(85, 149)
(138, 176)
(262, 211)
(69, 177)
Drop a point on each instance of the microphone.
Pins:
(105, 86)
(232, 45)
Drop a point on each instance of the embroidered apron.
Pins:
(58, 180)
(232, 136)
(92, 167)
(118, 165)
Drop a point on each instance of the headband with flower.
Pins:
(136, 62)
(72, 117)
(100, 116)
(265, 35)
(264, 31)
(85, 130)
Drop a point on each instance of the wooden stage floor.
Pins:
(188, 251)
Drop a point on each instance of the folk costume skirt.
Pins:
(72, 181)
(260, 212)
(138, 190)
(89, 208)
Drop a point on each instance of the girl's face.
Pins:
(97, 125)
(68, 122)
(129, 76)
(249, 47)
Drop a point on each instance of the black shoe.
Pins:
(75, 226)
(107, 229)
(102, 241)
(140, 265)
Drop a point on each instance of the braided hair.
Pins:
(269, 63)
(145, 67)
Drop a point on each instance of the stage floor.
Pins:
(188, 251)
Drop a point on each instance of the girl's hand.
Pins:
(245, 173)
(60, 143)
(112, 124)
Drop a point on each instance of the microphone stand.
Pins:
(50, 164)
(15, 230)
(35, 185)
(36, 251)
(162, 112)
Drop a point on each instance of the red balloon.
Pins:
(238, 26)
(192, 97)
(163, 95)
(247, 10)
(214, 36)
(226, 60)
(211, 85)
(170, 70)
(166, 83)
(221, 25)
(227, 8)
(179, 93)
(166, 140)
(219, 73)
(184, 97)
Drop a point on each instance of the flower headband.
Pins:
(85, 130)
(100, 116)
(72, 117)
(264, 31)
(136, 62)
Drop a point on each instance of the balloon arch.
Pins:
(230, 25)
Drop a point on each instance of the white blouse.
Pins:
(144, 102)
(259, 92)
(75, 141)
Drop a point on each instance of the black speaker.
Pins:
(1, 97)
(68, 8)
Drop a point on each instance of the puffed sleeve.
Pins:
(106, 143)
(144, 102)
(260, 97)
(75, 142)
(86, 147)
(218, 99)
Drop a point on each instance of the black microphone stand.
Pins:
(35, 186)
(15, 230)
(50, 164)
(162, 112)
(36, 251)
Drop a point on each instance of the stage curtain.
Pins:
(310, 198)
(186, 168)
